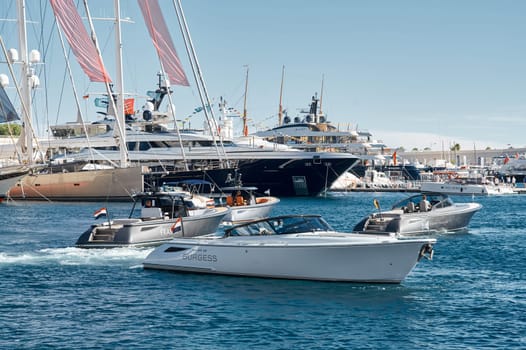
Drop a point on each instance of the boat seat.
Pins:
(151, 213)
(240, 200)
(229, 201)
(410, 207)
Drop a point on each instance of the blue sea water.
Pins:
(472, 295)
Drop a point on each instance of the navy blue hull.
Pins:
(282, 177)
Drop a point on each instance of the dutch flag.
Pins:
(177, 225)
(100, 212)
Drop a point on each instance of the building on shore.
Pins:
(462, 157)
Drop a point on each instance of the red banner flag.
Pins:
(163, 41)
(80, 42)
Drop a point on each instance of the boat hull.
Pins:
(449, 219)
(285, 174)
(140, 232)
(94, 185)
(330, 260)
(295, 177)
(456, 219)
(10, 178)
(248, 212)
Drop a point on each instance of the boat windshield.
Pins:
(281, 225)
(436, 200)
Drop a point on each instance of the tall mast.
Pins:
(245, 127)
(119, 112)
(200, 84)
(25, 87)
(280, 111)
(116, 106)
(119, 117)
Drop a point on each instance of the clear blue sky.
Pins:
(413, 73)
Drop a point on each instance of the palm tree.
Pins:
(455, 148)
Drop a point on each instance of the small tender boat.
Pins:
(420, 213)
(293, 247)
(163, 215)
(244, 201)
(246, 205)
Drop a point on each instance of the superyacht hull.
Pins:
(94, 185)
(284, 174)
(295, 177)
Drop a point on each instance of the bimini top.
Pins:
(280, 225)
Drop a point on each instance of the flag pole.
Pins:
(377, 206)
(108, 218)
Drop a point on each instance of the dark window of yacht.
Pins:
(144, 146)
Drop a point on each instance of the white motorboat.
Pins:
(467, 188)
(163, 215)
(244, 202)
(293, 247)
(246, 205)
(420, 213)
(471, 182)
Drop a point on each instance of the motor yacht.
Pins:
(162, 216)
(419, 213)
(293, 247)
(466, 187)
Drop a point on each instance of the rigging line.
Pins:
(8, 10)
(36, 190)
(148, 17)
(119, 127)
(199, 79)
(27, 118)
(44, 49)
(75, 94)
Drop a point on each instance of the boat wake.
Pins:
(76, 256)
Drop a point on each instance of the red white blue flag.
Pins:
(101, 212)
(177, 225)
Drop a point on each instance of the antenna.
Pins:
(321, 92)
(245, 128)
(280, 111)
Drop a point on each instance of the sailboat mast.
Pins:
(201, 87)
(119, 118)
(280, 111)
(25, 87)
(245, 127)
(119, 113)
